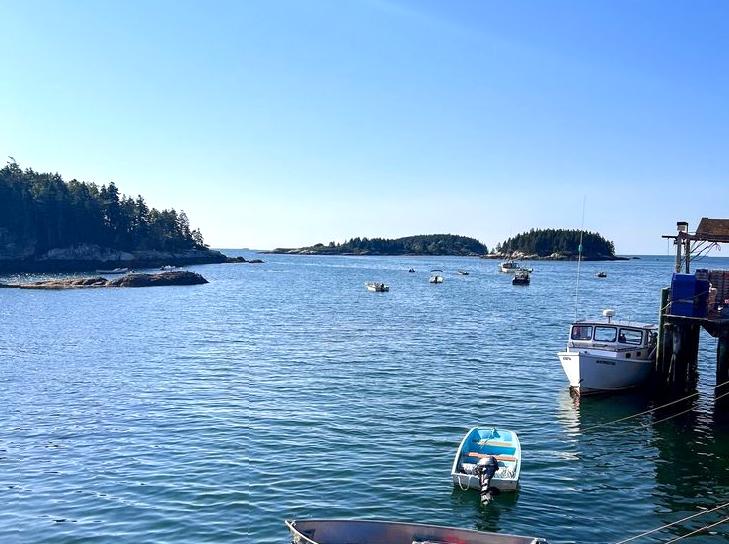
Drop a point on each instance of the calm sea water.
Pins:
(286, 390)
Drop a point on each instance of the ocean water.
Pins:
(286, 390)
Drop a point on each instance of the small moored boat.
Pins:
(482, 443)
(411, 270)
(377, 287)
(436, 276)
(601, 274)
(508, 266)
(113, 271)
(344, 531)
(463, 272)
(521, 277)
(608, 355)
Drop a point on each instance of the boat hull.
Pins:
(471, 481)
(594, 373)
(386, 532)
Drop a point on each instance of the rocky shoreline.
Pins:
(553, 257)
(84, 258)
(183, 277)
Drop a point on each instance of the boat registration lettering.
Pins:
(600, 362)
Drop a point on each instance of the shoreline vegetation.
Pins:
(556, 245)
(424, 244)
(537, 244)
(51, 225)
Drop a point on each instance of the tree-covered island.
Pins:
(557, 244)
(426, 244)
(48, 224)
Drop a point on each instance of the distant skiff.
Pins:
(324, 531)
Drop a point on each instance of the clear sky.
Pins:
(286, 123)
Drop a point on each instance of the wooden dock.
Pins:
(679, 335)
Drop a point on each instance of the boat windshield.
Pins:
(581, 332)
(630, 336)
(606, 334)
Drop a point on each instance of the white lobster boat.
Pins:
(483, 443)
(608, 355)
(377, 287)
(436, 276)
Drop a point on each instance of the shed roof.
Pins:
(713, 230)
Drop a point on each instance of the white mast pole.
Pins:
(579, 257)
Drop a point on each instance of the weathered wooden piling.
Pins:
(677, 355)
(663, 335)
(722, 359)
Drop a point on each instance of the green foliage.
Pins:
(42, 212)
(427, 244)
(545, 242)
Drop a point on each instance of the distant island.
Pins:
(50, 225)
(425, 244)
(556, 244)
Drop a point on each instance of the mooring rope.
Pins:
(636, 537)
(626, 418)
(697, 531)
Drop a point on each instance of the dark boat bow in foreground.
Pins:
(327, 531)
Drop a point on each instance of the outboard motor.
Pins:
(486, 468)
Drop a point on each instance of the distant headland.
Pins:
(556, 244)
(50, 225)
(424, 244)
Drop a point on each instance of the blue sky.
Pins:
(277, 123)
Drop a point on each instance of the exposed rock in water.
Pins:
(182, 277)
(243, 260)
(66, 283)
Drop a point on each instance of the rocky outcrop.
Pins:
(233, 260)
(518, 255)
(91, 257)
(183, 277)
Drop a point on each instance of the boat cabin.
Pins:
(612, 335)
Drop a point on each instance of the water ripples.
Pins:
(210, 413)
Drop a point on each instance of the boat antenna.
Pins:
(579, 256)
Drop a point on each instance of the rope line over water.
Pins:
(641, 535)
(697, 531)
(626, 418)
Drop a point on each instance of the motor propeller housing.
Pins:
(485, 469)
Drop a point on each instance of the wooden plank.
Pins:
(498, 457)
(494, 443)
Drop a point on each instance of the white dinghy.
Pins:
(333, 531)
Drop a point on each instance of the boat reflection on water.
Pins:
(578, 412)
(691, 468)
(684, 445)
(487, 518)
